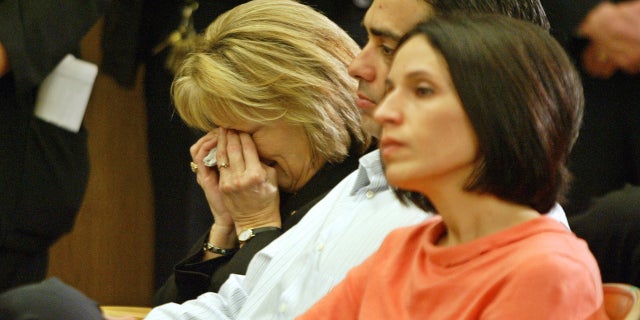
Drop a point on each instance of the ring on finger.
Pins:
(602, 57)
(194, 167)
(223, 165)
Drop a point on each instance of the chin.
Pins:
(284, 183)
(286, 188)
(400, 179)
(394, 180)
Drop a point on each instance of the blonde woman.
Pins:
(269, 83)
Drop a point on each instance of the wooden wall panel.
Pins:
(108, 255)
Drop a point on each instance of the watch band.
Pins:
(211, 248)
(247, 234)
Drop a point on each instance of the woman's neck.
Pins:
(469, 216)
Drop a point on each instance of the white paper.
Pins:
(210, 160)
(64, 93)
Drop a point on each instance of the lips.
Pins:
(389, 146)
(364, 103)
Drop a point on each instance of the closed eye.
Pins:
(387, 51)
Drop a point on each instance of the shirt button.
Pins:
(320, 246)
(370, 194)
(283, 308)
(362, 4)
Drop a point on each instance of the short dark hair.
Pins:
(527, 10)
(523, 98)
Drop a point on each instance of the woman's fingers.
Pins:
(243, 162)
(249, 151)
(248, 189)
(221, 154)
(234, 153)
(206, 142)
(199, 151)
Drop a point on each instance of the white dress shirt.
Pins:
(293, 272)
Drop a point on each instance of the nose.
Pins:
(361, 67)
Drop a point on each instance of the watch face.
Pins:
(245, 235)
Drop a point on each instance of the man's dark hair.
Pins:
(527, 10)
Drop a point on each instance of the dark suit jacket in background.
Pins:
(43, 168)
(604, 207)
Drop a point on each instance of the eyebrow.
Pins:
(385, 34)
(418, 74)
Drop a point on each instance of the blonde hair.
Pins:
(270, 60)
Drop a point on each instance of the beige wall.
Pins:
(109, 254)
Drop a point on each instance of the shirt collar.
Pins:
(370, 174)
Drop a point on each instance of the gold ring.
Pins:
(194, 167)
(602, 57)
(223, 165)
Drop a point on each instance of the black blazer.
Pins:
(43, 169)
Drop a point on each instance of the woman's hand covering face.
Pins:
(241, 191)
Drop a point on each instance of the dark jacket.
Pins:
(43, 168)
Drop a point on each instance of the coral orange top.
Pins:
(536, 270)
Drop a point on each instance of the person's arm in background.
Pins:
(613, 31)
(603, 35)
(44, 167)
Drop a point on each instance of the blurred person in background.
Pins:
(44, 168)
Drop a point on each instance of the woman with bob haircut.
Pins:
(480, 115)
(268, 82)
